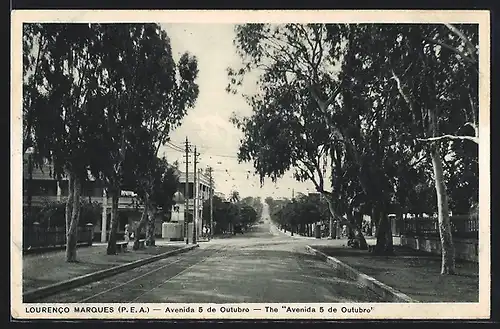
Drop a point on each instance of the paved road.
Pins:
(263, 265)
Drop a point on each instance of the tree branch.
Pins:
(452, 137)
(455, 50)
(474, 121)
(401, 91)
(323, 105)
(310, 174)
(467, 42)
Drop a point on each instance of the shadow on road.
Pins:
(260, 274)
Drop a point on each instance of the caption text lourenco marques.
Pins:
(127, 309)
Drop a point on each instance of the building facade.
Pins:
(44, 188)
(197, 195)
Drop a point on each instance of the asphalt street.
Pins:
(263, 265)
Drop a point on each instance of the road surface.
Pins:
(263, 265)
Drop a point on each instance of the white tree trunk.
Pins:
(69, 202)
(447, 248)
(71, 229)
(332, 228)
(150, 230)
(142, 223)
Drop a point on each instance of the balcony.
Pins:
(123, 202)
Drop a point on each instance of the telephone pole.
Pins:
(186, 194)
(211, 193)
(195, 198)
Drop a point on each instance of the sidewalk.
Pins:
(277, 232)
(370, 240)
(414, 273)
(44, 269)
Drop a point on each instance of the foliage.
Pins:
(52, 214)
(306, 209)
(226, 214)
(94, 93)
(358, 103)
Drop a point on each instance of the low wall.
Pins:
(465, 249)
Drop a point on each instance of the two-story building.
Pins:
(197, 195)
(44, 188)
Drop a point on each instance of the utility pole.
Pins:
(211, 202)
(186, 194)
(195, 198)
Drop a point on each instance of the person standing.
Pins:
(127, 233)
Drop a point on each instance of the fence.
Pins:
(38, 237)
(461, 226)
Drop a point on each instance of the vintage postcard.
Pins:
(250, 164)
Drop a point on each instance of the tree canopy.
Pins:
(358, 109)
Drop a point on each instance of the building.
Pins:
(202, 193)
(44, 188)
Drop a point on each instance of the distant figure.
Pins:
(127, 233)
(344, 231)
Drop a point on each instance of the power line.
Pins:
(179, 148)
(174, 147)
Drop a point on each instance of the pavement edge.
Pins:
(376, 286)
(32, 295)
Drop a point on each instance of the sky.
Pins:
(207, 125)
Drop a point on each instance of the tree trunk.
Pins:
(399, 221)
(29, 185)
(331, 228)
(142, 222)
(115, 195)
(374, 221)
(150, 230)
(69, 202)
(447, 248)
(358, 234)
(72, 228)
(384, 233)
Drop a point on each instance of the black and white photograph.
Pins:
(252, 165)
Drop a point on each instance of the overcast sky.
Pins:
(207, 125)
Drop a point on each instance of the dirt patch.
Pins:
(414, 273)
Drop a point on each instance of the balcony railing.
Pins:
(123, 202)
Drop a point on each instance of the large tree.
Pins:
(143, 93)
(435, 69)
(294, 124)
(89, 89)
(61, 69)
(370, 95)
(178, 98)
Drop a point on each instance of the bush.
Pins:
(53, 214)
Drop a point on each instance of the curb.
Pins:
(32, 295)
(381, 289)
(41, 250)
